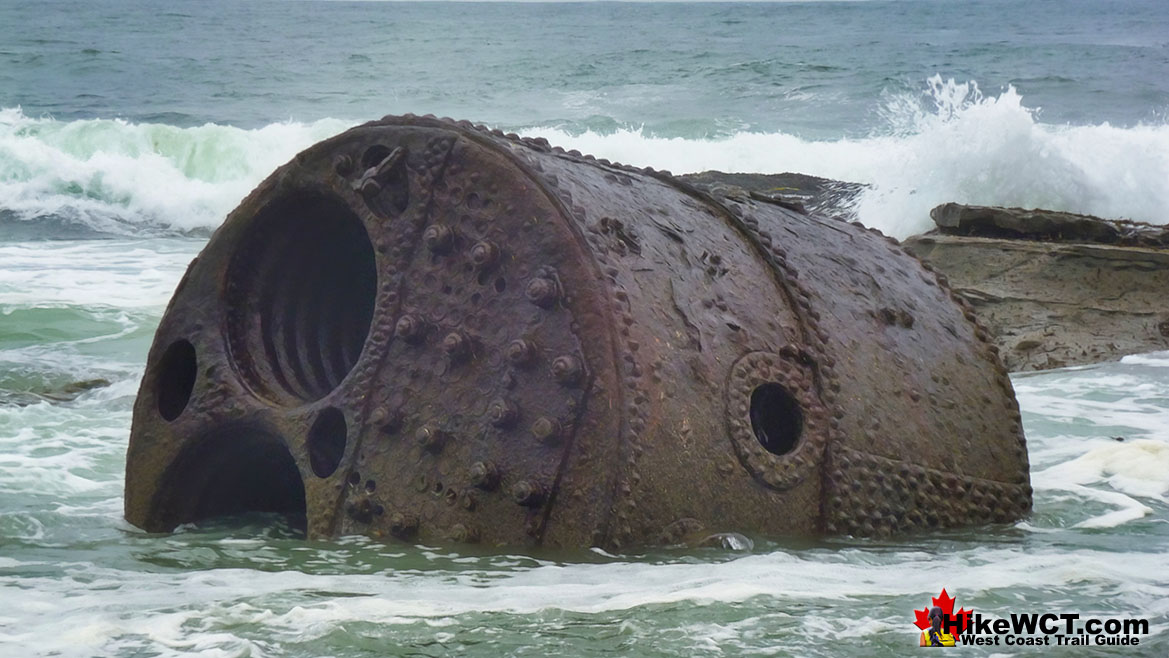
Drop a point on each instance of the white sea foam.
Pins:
(952, 143)
(295, 607)
(104, 173)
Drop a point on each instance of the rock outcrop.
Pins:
(796, 191)
(1056, 289)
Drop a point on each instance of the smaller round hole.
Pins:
(370, 486)
(776, 418)
(176, 379)
(437, 489)
(326, 442)
(500, 285)
(446, 290)
(476, 298)
(354, 478)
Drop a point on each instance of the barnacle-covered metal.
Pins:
(426, 330)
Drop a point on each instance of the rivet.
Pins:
(457, 345)
(546, 430)
(410, 328)
(542, 292)
(343, 165)
(527, 493)
(431, 438)
(502, 413)
(467, 500)
(361, 511)
(403, 524)
(484, 475)
(462, 534)
(392, 421)
(520, 352)
(438, 238)
(484, 254)
(567, 370)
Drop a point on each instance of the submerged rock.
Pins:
(65, 393)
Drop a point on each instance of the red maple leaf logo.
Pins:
(946, 603)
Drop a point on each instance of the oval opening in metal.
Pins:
(326, 442)
(776, 418)
(176, 379)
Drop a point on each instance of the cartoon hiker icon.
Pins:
(935, 636)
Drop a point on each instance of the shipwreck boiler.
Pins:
(426, 330)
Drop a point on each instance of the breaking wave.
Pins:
(72, 179)
(950, 143)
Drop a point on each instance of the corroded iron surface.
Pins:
(426, 330)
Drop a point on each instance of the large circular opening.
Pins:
(776, 418)
(301, 296)
(176, 379)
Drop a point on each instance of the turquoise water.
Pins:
(128, 131)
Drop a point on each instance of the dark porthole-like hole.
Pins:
(176, 379)
(776, 418)
(326, 442)
(374, 155)
(233, 472)
(300, 310)
(500, 284)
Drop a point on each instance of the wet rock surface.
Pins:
(1045, 226)
(798, 191)
(1055, 289)
(59, 394)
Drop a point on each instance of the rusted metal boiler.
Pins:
(426, 330)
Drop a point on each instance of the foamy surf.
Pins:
(122, 178)
(950, 143)
(222, 588)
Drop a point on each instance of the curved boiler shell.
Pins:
(426, 330)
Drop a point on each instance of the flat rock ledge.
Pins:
(1055, 289)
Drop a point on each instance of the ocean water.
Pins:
(129, 129)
